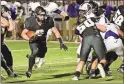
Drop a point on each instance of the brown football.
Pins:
(30, 34)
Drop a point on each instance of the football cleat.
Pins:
(109, 73)
(39, 62)
(120, 69)
(75, 78)
(92, 74)
(28, 74)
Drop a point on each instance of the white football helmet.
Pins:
(85, 9)
(33, 5)
(50, 8)
(17, 4)
(4, 3)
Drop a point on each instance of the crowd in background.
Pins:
(21, 10)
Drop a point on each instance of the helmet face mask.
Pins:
(40, 14)
(85, 9)
(4, 9)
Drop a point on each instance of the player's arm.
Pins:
(121, 33)
(8, 24)
(101, 27)
(62, 13)
(56, 32)
(58, 36)
(26, 29)
(11, 25)
(4, 22)
(24, 34)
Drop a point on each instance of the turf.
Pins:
(58, 68)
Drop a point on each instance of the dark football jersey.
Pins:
(32, 25)
(88, 27)
(118, 18)
(3, 32)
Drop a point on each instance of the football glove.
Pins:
(39, 32)
(63, 46)
(66, 18)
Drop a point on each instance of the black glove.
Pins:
(63, 46)
(66, 18)
(33, 39)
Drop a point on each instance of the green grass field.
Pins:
(58, 68)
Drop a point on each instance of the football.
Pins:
(30, 34)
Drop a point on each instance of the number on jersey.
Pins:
(118, 18)
(86, 24)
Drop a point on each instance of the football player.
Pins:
(113, 45)
(51, 9)
(89, 31)
(118, 19)
(39, 24)
(6, 24)
(7, 69)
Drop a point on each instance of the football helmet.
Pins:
(17, 4)
(4, 3)
(85, 9)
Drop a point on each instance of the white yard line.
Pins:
(48, 48)
(49, 63)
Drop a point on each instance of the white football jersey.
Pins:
(112, 40)
(50, 8)
(111, 31)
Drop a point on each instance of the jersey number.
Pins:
(118, 18)
(87, 23)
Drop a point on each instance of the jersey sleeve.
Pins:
(27, 24)
(50, 22)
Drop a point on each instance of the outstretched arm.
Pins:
(58, 36)
(121, 33)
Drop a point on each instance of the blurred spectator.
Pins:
(121, 2)
(80, 1)
(20, 21)
(73, 14)
(73, 9)
(13, 11)
(108, 9)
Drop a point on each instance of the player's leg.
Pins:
(85, 50)
(40, 60)
(120, 52)
(7, 69)
(7, 56)
(78, 52)
(34, 51)
(93, 66)
(99, 49)
(110, 57)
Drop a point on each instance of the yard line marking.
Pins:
(48, 48)
(48, 63)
